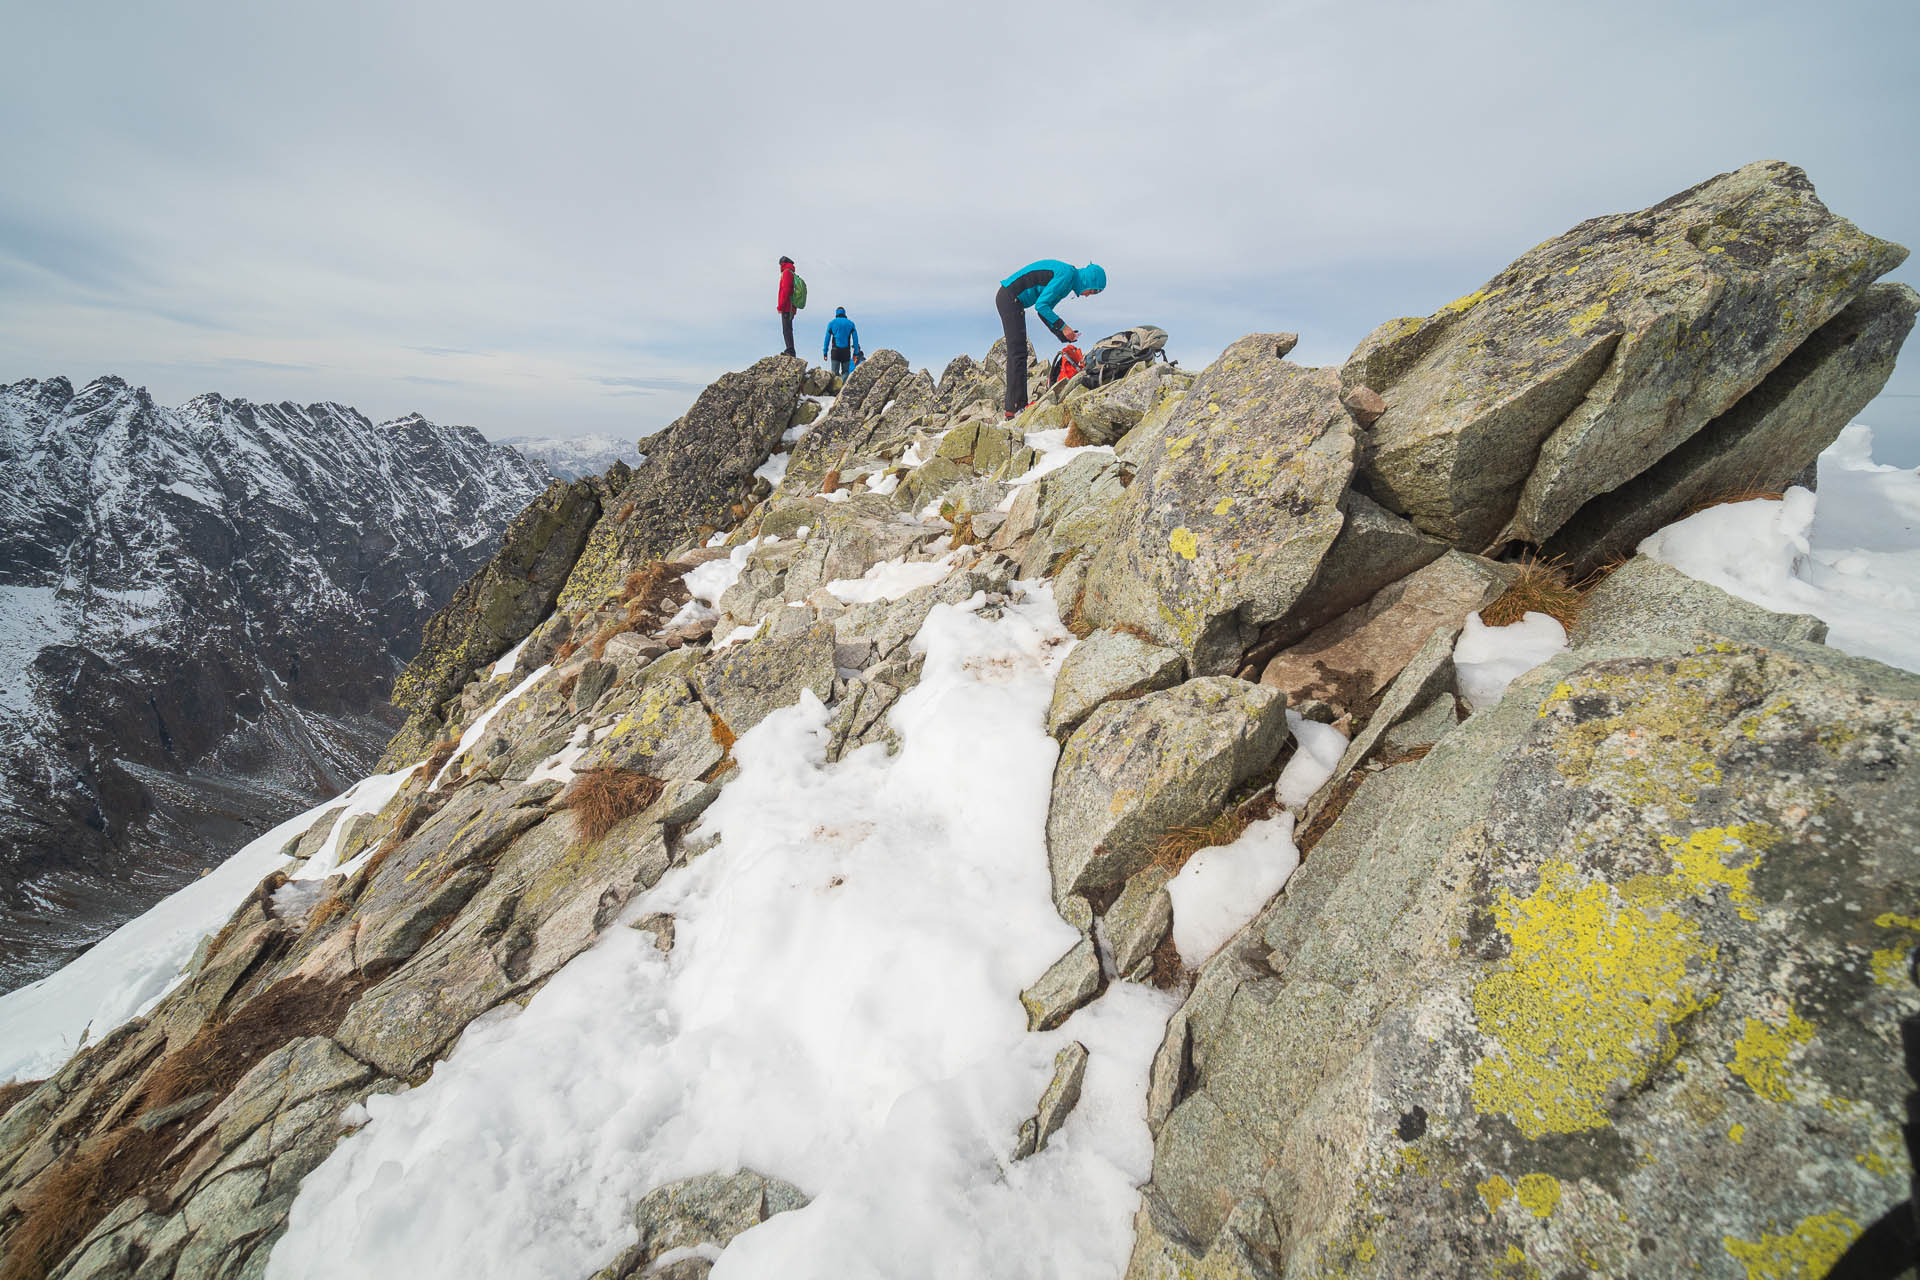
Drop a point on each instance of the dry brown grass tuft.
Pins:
(1075, 437)
(438, 757)
(722, 734)
(566, 651)
(962, 532)
(568, 684)
(624, 514)
(1181, 843)
(70, 1198)
(601, 799)
(1541, 586)
(334, 905)
(378, 860)
(608, 632)
(1731, 495)
(832, 482)
(645, 582)
(12, 1093)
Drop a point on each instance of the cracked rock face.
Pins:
(1600, 351)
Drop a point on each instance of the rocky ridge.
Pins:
(202, 606)
(1548, 970)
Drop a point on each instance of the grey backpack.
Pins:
(1110, 358)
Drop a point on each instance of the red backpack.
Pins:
(1066, 364)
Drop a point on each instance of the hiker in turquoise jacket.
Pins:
(842, 343)
(1041, 285)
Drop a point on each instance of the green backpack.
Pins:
(799, 293)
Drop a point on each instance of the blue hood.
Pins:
(839, 311)
(1089, 278)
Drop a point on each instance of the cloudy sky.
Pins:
(565, 217)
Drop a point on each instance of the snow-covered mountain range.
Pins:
(201, 610)
(570, 457)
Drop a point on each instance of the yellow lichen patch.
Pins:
(1223, 506)
(1184, 543)
(1760, 1055)
(1469, 302)
(1538, 1194)
(1495, 1191)
(1657, 748)
(1179, 446)
(1889, 965)
(1588, 318)
(1585, 1005)
(1699, 864)
(1809, 1250)
(1737, 1134)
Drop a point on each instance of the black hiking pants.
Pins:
(842, 361)
(786, 328)
(1013, 318)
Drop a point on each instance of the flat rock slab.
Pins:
(1235, 502)
(1137, 769)
(1346, 663)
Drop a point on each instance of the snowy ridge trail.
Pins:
(840, 1010)
(895, 881)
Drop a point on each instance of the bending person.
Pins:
(1041, 285)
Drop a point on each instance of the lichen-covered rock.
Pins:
(698, 475)
(1645, 597)
(1613, 974)
(744, 684)
(1136, 769)
(1105, 667)
(1764, 442)
(501, 603)
(666, 732)
(1235, 503)
(846, 426)
(1102, 415)
(1600, 351)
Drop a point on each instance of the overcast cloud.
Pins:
(565, 217)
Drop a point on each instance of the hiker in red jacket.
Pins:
(784, 304)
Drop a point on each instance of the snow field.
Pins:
(1849, 555)
(840, 1010)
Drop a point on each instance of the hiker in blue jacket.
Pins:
(1041, 285)
(842, 344)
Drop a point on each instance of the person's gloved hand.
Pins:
(1068, 332)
